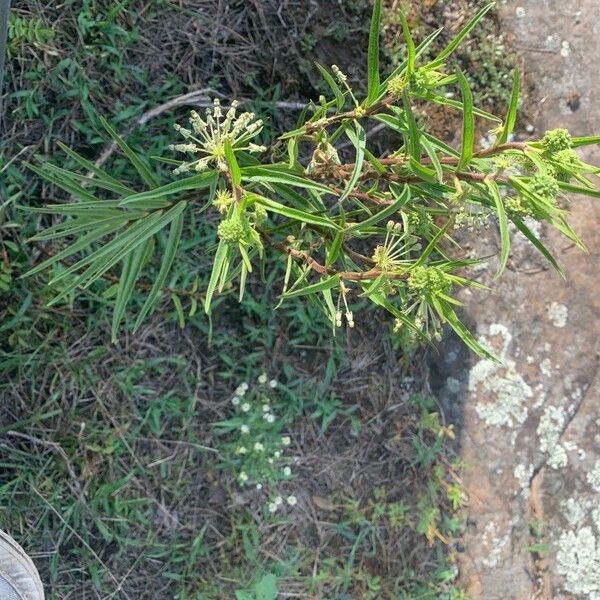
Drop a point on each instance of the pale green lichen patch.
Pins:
(523, 474)
(501, 383)
(593, 477)
(578, 561)
(549, 430)
(558, 314)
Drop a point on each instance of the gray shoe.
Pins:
(19, 579)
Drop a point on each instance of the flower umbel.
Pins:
(208, 136)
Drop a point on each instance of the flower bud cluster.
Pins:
(427, 281)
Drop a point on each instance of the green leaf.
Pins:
(334, 249)
(385, 213)
(468, 133)
(502, 223)
(373, 58)
(294, 213)
(326, 283)
(433, 244)
(140, 166)
(115, 250)
(340, 100)
(64, 181)
(132, 265)
(359, 140)
(167, 261)
(103, 179)
(80, 244)
(410, 45)
(511, 117)
(414, 136)
(575, 189)
(441, 100)
(219, 261)
(236, 175)
(447, 313)
(266, 587)
(591, 140)
(279, 174)
(178, 310)
(538, 245)
(195, 182)
(453, 45)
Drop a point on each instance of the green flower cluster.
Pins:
(427, 281)
(231, 230)
(545, 186)
(517, 207)
(420, 222)
(556, 140)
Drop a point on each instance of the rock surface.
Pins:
(531, 426)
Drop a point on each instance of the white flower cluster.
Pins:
(259, 452)
(208, 136)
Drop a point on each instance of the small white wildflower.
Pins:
(240, 391)
(278, 500)
(270, 461)
(243, 477)
(241, 450)
(286, 440)
(256, 148)
(235, 400)
(273, 383)
(287, 471)
(272, 507)
(259, 486)
(245, 429)
(292, 500)
(244, 385)
(262, 378)
(266, 408)
(246, 407)
(259, 447)
(277, 454)
(269, 418)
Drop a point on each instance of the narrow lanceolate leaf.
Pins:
(178, 310)
(294, 213)
(234, 169)
(165, 267)
(414, 136)
(410, 45)
(538, 245)
(433, 244)
(373, 58)
(139, 164)
(195, 182)
(455, 43)
(359, 140)
(81, 244)
(575, 189)
(334, 250)
(388, 211)
(511, 116)
(446, 312)
(101, 176)
(278, 174)
(132, 265)
(102, 259)
(335, 88)
(494, 190)
(592, 140)
(325, 284)
(63, 181)
(468, 133)
(220, 258)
